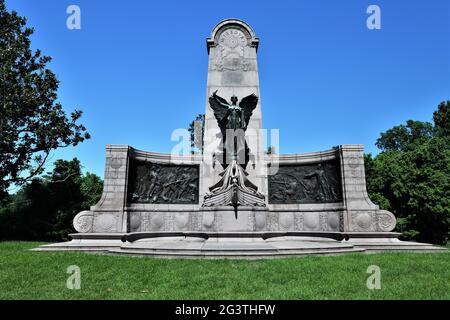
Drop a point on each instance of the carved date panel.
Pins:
(160, 183)
(307, 183)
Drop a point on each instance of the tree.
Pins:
(64, 189)
(32, 122)
(376, 182)
(404, 137)
(411, 177)
(197, 130)
(441, 119)
(91, 189)
(44, 208)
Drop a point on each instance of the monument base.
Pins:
(238, 245)
(93, 242)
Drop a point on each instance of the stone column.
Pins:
(232, 70)
(360, 213)
(108, 214)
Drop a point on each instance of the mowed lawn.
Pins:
(42, 275)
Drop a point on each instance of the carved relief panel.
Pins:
(231, 52)
(161, 183)
(308, 183)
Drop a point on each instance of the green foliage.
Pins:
(44, 209)
(91, 189)
(411, 177)
(32, 122)
(42, 275)
(441, 119)
(405, 137)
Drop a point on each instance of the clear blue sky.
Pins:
(138, 68)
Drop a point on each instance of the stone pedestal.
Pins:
(233, 70)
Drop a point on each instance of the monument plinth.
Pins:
(233, 200)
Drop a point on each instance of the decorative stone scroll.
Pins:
(161, 183)
(386, 221)
(308, 183)
(83, 221)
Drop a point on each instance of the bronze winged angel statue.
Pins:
(234, 188)
(233, 119)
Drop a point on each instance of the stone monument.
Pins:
(234, 200)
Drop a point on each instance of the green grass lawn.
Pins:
(42, 275)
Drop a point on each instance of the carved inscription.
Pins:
(232, 38)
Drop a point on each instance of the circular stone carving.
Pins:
(208, 219)
(311, 220)
(232, 38)
(354, 164)
(106, 221)
(115, 162)
(260, 220)
(386, 221)
(286, 220)
(83, 221)
(181, 220)
(364, 220)
(333, 221)
(135, 221)
(157, 221)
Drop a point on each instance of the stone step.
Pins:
(237, 255)
(400, 248)
(75, 248)
(237, 245)
(236, 249)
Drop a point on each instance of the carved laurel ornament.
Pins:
(83, 221)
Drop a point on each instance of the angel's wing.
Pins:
(220, 108)
(248, 104)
